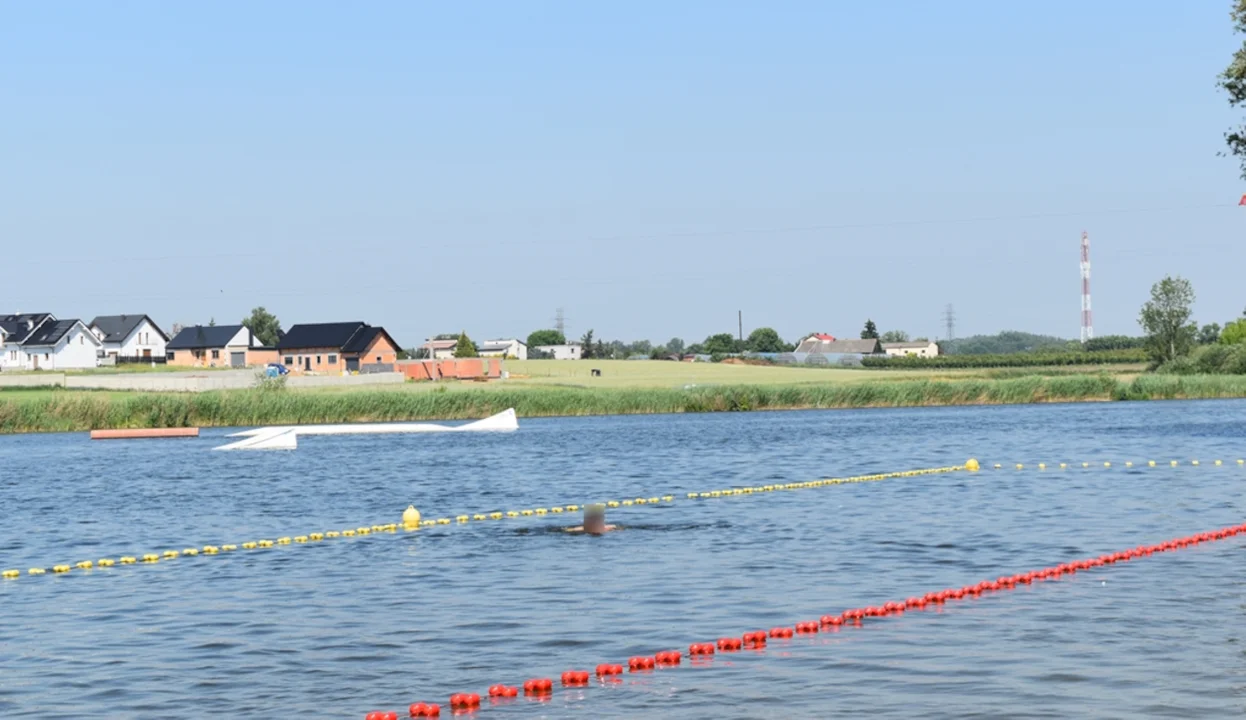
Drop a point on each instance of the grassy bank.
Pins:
(72, 410)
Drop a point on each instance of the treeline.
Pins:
(761, 340)
(1020, 359)
(1016, 341)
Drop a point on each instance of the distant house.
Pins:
(570, 351)
(38, 341)
(516, 349)
(14, 329)
(813, 342)
(216, 346)
(919, 349)
(440, 349)
(129, 336)
(826, 350)
(336, 347)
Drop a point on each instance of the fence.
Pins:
(140, 360)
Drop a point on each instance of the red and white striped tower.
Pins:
(1088, 330)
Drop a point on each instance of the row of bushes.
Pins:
(1035, 359)
(76, 411)
(1209, 360)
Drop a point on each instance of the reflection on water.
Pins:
(335, 628)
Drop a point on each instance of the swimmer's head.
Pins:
(595, 518)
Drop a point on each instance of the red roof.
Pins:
(823, 336)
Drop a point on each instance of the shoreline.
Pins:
(76, 411)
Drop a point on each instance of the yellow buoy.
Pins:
(972, 465)
(410, 517)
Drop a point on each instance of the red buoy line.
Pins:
(543, 688)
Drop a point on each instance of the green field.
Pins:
(647, 389)
(622, 374)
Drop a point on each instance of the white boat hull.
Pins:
(286, 437)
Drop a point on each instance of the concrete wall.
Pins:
(165, 381)
(8, 379)
(317, 381)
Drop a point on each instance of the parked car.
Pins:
(276, 369)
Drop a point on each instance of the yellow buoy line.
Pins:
(413, 520)
(1109, 464)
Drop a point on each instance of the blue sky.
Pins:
(651, 167)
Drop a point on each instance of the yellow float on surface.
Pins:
(411, 517)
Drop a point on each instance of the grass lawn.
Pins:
(662, 373)
(665, 374)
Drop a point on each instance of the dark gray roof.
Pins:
(18, 326)
(51, 332)
(117, 328)
(203, 336)
(366, 335)
(319, 335)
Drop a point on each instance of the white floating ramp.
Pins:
(286, 437)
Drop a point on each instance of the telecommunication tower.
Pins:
(949, 320)
(1088, 329)
(560, 322)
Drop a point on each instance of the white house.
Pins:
(516, 349)
(54, 345)
(570, 351)
(132, 336)
(14, 329)
(920, 349)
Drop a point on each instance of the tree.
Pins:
(1113, 342)
(720, 344)
(1233, 81)
(264, 326)
(870, 332)
(1166, 319)
(675, 346)
(1234, 333)
(465, 348)
(586, 345)
(419, 353)
(765, 340)
(1209, 334)
(640, 347)
(895, 336)
(211, 322)
(546, 337)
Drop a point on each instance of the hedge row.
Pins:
(1043, 359)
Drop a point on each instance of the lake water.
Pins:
(341, 627)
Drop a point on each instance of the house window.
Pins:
(333, 359)
(289, 360)
(82, 340)
(317, 359)
(378, 359)
(169, 355)
(216, 354)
